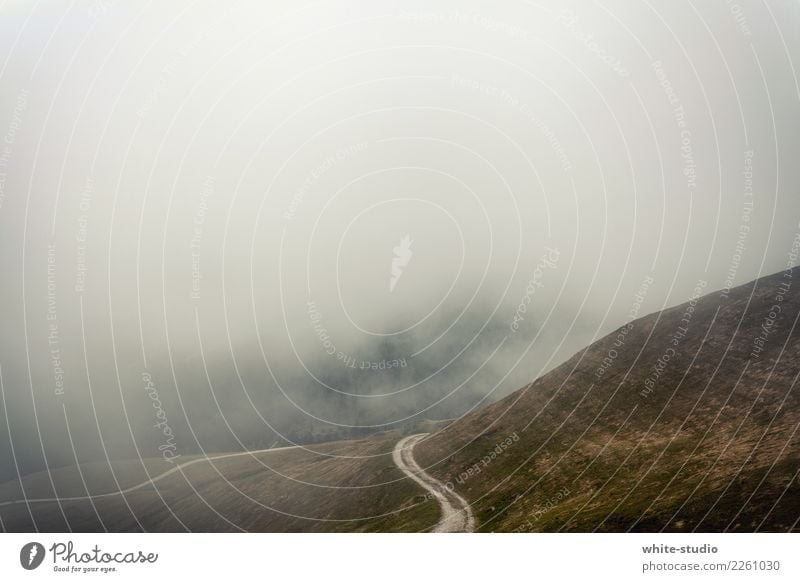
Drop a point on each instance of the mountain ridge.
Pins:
(579, 422)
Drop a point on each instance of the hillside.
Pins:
(683, 420)
(690, 424)
(341, 486)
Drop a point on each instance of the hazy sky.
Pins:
(360, 213)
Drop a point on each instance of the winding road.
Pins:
(456, 513)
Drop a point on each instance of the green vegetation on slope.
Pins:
(691, 425)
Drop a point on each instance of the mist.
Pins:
(286, 223)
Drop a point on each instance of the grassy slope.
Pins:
(292, 490)
(714, 447)
(707, 450)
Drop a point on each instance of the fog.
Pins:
(288, 222)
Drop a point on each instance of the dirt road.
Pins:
(456, 513)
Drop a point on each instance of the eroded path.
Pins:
(456, 513)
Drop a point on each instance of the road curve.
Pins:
(456, 513)
(143, 483)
